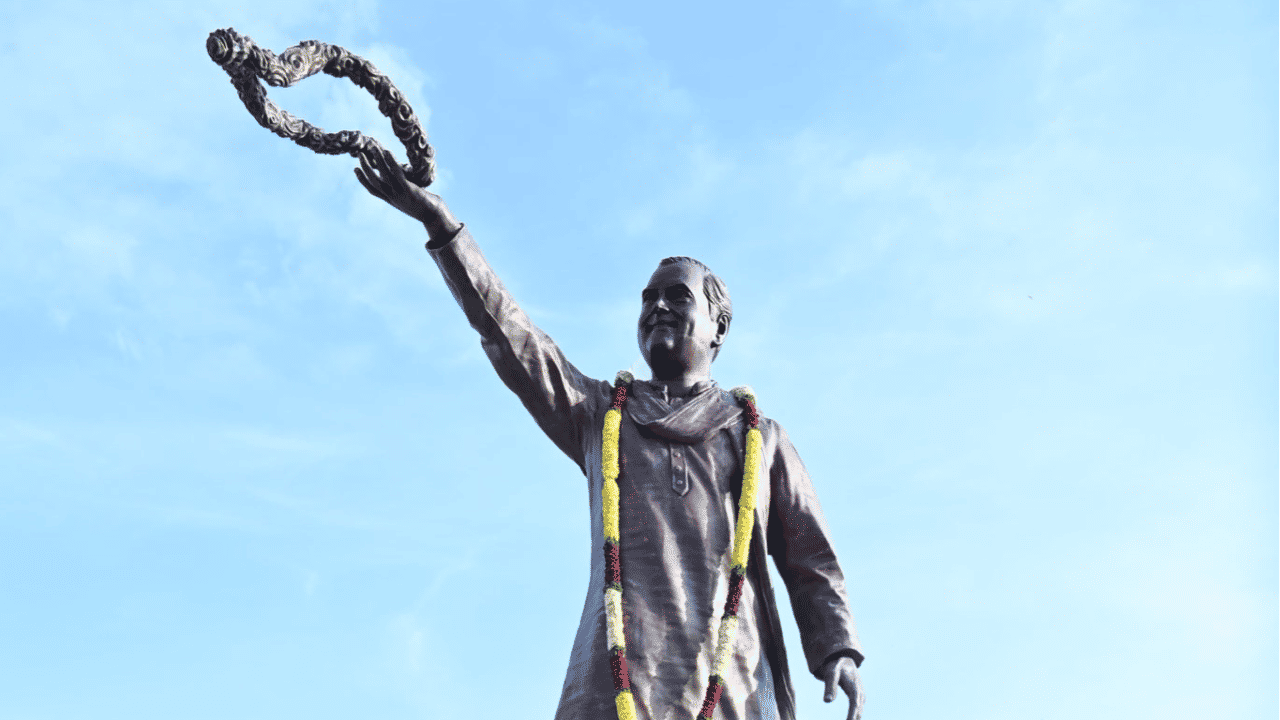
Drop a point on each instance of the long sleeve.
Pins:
(800, 543)
(559, 397)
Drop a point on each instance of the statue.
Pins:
(682, 456)
(691, 489)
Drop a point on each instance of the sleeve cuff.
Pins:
(846, 652)
(436, 245)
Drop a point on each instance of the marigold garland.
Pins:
(610, 509)
(610, 502)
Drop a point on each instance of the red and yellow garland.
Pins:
(613, 561)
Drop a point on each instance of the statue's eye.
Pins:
(648, 295)
(678, 294)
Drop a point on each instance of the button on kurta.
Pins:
(679, 469)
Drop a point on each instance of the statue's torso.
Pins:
(678, 506)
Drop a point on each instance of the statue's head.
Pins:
(684, 316)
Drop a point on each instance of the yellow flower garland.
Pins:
(747, 503)
(610, 509)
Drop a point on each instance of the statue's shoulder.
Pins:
(739, 397)
(742, 397)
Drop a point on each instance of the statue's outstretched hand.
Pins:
(843, 671)
(383, 177)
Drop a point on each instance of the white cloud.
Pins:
(694, 189)
(1233, 277)
(16, 433)
(628, 73)
(309, 449)
(600, 32)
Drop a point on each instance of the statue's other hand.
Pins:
(843, 671)
(383, 177)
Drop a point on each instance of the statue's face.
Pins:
(676, 331)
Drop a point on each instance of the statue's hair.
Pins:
(712, 286)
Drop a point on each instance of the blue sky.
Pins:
(1006, 271)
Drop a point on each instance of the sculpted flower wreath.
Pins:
(246, 63)
(611, 500)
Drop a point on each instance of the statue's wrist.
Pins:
(439, 233)
(441, 225)
(834, 658)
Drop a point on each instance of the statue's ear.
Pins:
(722, 329)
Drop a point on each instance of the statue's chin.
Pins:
(666, 362)
(660, 348)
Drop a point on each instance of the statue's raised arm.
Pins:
(555, 393)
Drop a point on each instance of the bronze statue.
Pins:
(679, 459)
(682, 454)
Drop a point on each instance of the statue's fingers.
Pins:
(393, 166)
(377, 173)
(832, 674)
(853, 689)
(367, 162)
(364, 180)
(382, 158)
(388, 170)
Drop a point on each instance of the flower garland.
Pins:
(610, 496)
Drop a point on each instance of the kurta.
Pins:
(681, 460)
